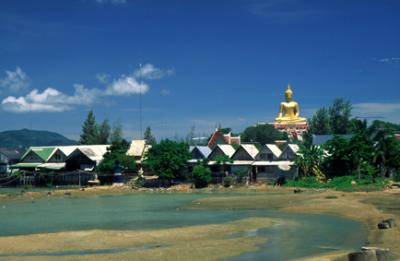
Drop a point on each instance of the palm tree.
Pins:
(309, 161)
(386, 149)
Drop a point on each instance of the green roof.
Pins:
(43, 152)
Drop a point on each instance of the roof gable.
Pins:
(200, 151)
(43, 153)
(228, 150)
(246, 152)
(221, 150)
(274, 149)
(137, 148)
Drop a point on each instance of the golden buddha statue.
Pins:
(289, 110)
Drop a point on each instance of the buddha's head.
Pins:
(288, 94)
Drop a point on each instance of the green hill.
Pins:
(25, 138)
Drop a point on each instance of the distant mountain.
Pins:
(25, 138)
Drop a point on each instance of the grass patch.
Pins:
(345, 183)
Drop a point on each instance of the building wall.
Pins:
(240, 169)
(196, 154)
(215, 153)
(78, 160)
(58, 156)
(271, 173)
(288, 154)
(241, 154)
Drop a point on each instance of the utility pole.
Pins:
(140, 101)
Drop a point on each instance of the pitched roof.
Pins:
(228, 150)
(11, 154)
(204, 150)
(294, 147)
(251, 149)
(43, 152)
(94, 152)
(137, 148)
(274, 149)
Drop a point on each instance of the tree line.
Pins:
(369, 152)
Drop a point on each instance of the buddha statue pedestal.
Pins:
(289, 119)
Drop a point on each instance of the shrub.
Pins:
(396, 177)
(201, 176)
(228, 181)
(241, 176)
(343, 183)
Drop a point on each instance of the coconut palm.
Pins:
(309, 161)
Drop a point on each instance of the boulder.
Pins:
(297, 191)
(391, 222)
(382, 254)
(388, 223)
(383, 225)
(365, 255)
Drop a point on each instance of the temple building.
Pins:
(289, 119)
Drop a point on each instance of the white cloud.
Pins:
(373, 110)
(126, 85)
(376, 108)
(50, 100)
(15, 81)
(53, 100)
(150, 72)
(390, 60)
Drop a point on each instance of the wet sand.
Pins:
(203, 242)
(210, 242)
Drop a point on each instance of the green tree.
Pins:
(357, 125)
(89, 134)
(320, 122)
(168, 159)
(116, 136)
(350, 157)
(338, 163)
(360, 152)
(310, 160)
(339, 115)
(201, 176)
(103, 132)
(386, 151)
(117, 152)
(148, 136)
(383, 125)
(263, 134)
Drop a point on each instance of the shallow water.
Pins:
(315, 234)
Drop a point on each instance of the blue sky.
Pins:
(203, 62)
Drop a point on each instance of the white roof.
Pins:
(67, 150)
(228, 150)
(273, 163)
(205, 150)
(137, 148)
(243, 162)
(274, 149)
(294, 147)
(93, 152)
(251, 149)
(57, 165)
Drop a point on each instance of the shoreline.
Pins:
(343, 204)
